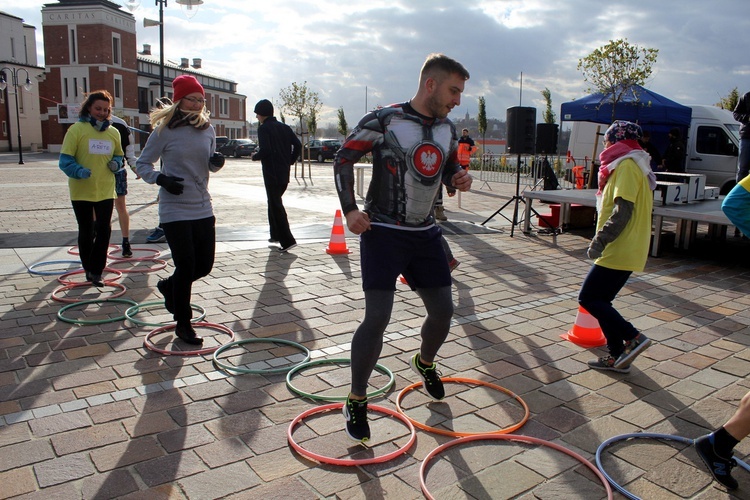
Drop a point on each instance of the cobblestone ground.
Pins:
(86, 411)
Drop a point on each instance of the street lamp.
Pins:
(190, 7)
(14, 72)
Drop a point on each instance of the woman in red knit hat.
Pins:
(185, 141)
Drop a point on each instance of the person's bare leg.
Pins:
(123, 216)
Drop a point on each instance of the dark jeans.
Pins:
(598, 291)
(193, 247)
(94, 228)
(277, 218)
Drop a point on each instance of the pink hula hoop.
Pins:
(65, 288)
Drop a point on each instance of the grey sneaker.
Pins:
(607, 363)
(632, 349)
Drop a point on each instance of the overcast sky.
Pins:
(342, 47)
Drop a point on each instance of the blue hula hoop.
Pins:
(32, 267)
(622, 437)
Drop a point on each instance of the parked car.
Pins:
(238, 147)
(321, 149)
(220, 141)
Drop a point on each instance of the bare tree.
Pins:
(301, 102)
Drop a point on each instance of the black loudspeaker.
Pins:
(521, 123)
(546, 138)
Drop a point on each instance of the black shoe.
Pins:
(355, 413)
(94, 279)
(185, 332)
(127, 252)
(287, 248)
(166, 291)
(720, 467)
(430, 376)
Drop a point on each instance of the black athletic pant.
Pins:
(277, 218)
(193, 247)
(94, 228)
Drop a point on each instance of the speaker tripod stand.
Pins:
(515, 200)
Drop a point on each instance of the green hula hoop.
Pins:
(61, 317)
(257, 371)
(382, 369)
(132, 311)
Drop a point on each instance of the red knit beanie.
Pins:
(184, 85)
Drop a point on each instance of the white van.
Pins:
(712, 145)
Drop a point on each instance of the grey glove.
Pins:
(595, 249)
(113, 165)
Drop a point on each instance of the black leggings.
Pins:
(367, 342)
(94, 228)
(193, 247)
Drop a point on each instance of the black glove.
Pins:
(170, 183)
(216, 162)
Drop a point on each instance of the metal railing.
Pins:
(503, 168)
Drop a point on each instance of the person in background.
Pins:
(185, 141)
(278, 149)
(674, 156)
(742, 114)
(466, 148)
(90, 153)
(127, 141)
(620, 246)
(414, 148)
(653, 151)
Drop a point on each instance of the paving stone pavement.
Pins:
(86, 411)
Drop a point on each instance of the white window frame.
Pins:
(117, 91)
(116, 49)
(73, 43)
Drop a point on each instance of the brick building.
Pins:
(91, 45)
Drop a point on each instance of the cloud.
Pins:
(341, 49)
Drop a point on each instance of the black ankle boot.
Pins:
(184, 330)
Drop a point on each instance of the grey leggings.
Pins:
(367, 342)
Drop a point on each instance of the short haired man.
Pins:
(278, 149)
(414, 148)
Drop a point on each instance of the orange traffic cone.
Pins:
(586, 331)
(337, 245)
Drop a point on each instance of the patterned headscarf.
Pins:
(621, 130)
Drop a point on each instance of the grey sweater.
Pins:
(185, 152)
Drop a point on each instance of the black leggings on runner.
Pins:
(367, 342)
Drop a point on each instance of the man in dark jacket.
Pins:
(278, 148)
(742, 115)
